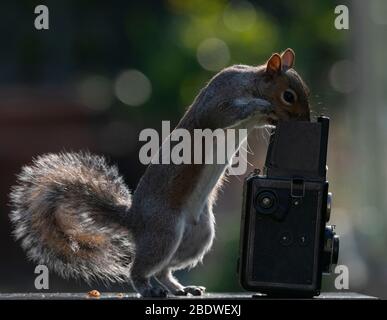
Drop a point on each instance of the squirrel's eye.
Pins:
(288, 96)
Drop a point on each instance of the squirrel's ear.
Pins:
(273, 65)
(288, 57)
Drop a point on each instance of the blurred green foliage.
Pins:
(161, 39)
(172, 63)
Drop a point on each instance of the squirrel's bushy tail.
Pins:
(70, 212)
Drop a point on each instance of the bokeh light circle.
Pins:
(213, 54)
(132, 88)
(95, 92)
(239, 16)
(342, 76)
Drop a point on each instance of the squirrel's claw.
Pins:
(195, 290)
(180, 292)
(154, 292)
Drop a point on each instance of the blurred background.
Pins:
(103, 72)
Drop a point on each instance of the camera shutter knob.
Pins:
(329, 205)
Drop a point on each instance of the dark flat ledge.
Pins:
(133, 296)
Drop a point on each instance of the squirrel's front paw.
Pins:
(194, 290)
(154, 292)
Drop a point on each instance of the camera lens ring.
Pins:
(329, 206)
(331, 249)
(335, 249)
(266, 202)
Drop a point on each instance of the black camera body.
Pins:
(286, 244)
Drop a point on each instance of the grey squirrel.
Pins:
(73, 212)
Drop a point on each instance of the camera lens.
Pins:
(331, 249)
(329, 205)
(335, 249)
(266, 202)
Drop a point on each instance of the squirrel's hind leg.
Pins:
(197, 240)
(155, 247)
(144, 287)
(166, 279)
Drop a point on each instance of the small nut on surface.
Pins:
(94, 294)
(120, 295)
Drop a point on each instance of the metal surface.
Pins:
(131, 296)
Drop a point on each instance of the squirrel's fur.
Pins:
(75, 214)
(68, 210)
